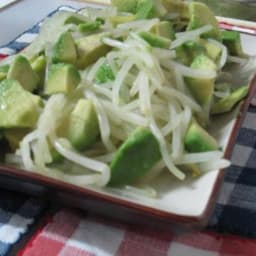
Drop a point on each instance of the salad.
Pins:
(116, 96)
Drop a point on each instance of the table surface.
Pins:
(21, 16)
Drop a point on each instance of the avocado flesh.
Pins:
(83, 125)
(135, 157)
(212, 50)
(155, 40)
(3, 72)
(64, 49)
(232, 40)
(125, 6)
(14, 136)
(202, 89)
(18, 107)
(226, 104)
(90, 49)
(164, 29)
(63, 78)
(177, 6)
(201, 15)
(120, 19)
(21, 70)
(39, 66)
(198, 139)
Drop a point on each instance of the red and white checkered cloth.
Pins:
(69, 233)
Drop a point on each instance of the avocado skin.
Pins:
(201, 15)
(199, 140)
(232, 40)
(135, 157)
(18, 107)
(226, 104)
(83, 125)
(63, 78)
(22, 71)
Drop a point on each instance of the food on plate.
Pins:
(116, 96)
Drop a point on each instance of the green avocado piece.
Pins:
(64, 49)
(201, 15)
(90, 26)
(90, 49)
(120, 19)
(226, 104)
(177, 6)
(164, 29)
(18, 107)
(145, 9)
(83, 125)
(155, 40)
(21, 70)
(125, 6)
(14, 136)
(76, 19)
(62, 78)
(202, 89)
(3, 71)
(212, 50)
(39, 66)
(104, 74)
(232, 40)
(198, 139)
(135, 157)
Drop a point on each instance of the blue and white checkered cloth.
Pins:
(17, 214)
(235, 211)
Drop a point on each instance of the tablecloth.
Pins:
(69, 232)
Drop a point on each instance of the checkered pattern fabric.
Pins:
(17, 214)
(69, 233)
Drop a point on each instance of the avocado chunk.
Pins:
(164, 29)
(232, 40)
(64, 49)
(201, 15)
(22, 71)
(18, 107)
(83, 125)
(145, 9)
(3, 71)
(90, 26)
(125, 6)
(104, 74)
(212, 50)
(202, 89)
(63, 78)
(226, 104)
(155, 40)
(14, 136)
(177, 6)
(90, 49)
(135, 157)
(39, 66)
(120, 19)
(76, 19)
(198, 139)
